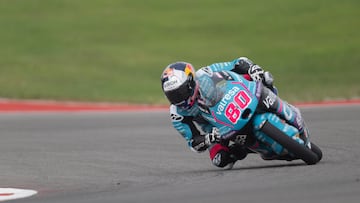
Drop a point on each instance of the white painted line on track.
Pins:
(15, 193)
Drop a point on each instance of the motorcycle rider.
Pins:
(180, 86)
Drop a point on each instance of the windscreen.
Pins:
(212, 87)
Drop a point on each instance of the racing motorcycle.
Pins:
(232, 105)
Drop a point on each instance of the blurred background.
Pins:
(115, 50)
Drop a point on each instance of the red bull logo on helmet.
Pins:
(189, 70)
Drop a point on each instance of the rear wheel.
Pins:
(300, 151)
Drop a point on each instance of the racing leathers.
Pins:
(200, 135)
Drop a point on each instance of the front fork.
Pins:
(267, 143)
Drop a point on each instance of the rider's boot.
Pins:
(221, 156)
(239, 152)
(236, 153)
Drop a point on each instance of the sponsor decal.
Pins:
(171, 84)
(269, 100)
(224, 101)
(240, 139)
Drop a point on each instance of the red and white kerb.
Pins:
(15, 193)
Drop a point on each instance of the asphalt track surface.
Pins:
(137, 157)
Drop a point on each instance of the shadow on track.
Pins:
(219, 171)
(269, 166)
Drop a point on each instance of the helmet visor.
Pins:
(180, 94)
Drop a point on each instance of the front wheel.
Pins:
(300, 151)
(317, 151)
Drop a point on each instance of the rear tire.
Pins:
(300, 151)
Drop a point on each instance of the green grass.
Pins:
(115, 50)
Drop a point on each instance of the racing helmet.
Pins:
(179, 85)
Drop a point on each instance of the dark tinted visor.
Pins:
(180, 94)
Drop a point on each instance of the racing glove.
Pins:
(212, 137)
(258, 74)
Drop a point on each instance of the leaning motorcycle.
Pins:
(231, 104)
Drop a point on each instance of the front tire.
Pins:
(317, 151)
(300, 151)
